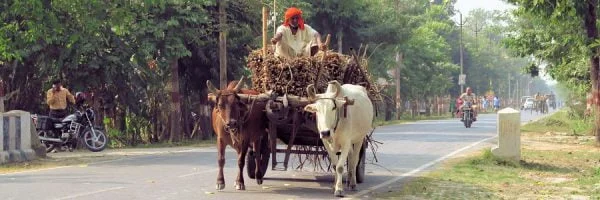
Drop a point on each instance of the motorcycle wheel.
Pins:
(96, 144)
(49, 145)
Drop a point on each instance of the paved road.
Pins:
(191, 173)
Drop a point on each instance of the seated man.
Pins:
(294, 38)
(469, 97)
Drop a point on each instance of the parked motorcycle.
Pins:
(467, 114)
(68, 132)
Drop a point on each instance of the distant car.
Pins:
(528, 103)
(523, 98)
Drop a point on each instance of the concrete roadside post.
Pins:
(4, 156)
(16, 126)
(509, 135)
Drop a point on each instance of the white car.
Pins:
(528, 104)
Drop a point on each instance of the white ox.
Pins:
(342, 136)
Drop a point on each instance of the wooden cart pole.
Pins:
(265, 14)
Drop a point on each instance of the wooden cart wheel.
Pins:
(251, 165)
(360, 168)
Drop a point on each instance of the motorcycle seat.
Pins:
(55, 120)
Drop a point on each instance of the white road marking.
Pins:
(196, 173)
(417, 170)
(90, 193)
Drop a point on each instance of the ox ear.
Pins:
(335, 87)
(239, 85)
(311, 108)
(211, 88)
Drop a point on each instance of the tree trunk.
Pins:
(222, 44)
(397, 76)
(592, 34)
(175, 115)
(188, 123)
(340, 35)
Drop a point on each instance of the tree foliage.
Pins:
(127, 52)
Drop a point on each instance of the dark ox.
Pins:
(239, 122)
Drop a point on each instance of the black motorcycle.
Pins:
(68, 132)
(467, 112)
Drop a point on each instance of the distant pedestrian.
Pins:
(484, 103)
(496, 103)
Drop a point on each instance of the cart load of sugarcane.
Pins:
(292, 76)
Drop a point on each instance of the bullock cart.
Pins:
(295, 131)
(291, 130)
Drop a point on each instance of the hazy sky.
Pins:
(467, 5)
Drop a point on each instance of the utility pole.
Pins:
(222, 44)
(477, 30)
(517, 94)
(508, 93)
(461, 24)
(397, 76)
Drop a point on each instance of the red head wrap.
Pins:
(291, 12)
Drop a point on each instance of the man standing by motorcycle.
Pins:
(57, 98)
(469, 96)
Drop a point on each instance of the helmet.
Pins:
(79, 98)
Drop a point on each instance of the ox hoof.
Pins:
(220, 186)
(259, 181)
(339, 193)
(240, 187)
(352, 187)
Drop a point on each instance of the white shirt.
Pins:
(296, 45)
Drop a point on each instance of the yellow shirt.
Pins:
(297, 45)
(57, 100)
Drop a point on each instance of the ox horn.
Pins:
(337, 86)
(238, 87)
(211, 88)
(310, 89)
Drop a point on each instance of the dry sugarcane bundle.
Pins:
(292, 76)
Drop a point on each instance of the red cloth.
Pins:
(291, 12)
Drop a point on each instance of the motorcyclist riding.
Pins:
(469, 96)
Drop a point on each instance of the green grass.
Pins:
(557, 164)
(541, 174)
(561, 122)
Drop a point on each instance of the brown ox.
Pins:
(238, 122)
